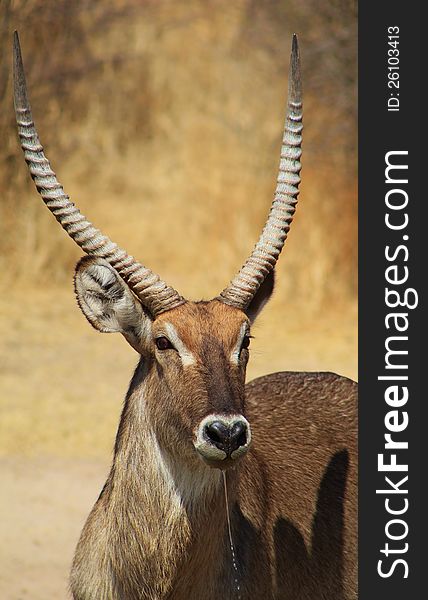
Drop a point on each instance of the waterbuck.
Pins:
(278, 453)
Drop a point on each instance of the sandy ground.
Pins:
(61, 389)
(43, 505)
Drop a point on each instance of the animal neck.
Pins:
(171, 515)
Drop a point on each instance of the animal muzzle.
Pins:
(223, 438)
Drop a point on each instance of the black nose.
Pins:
(227, 436)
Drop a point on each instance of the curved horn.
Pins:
(154, 294)
(262, 261)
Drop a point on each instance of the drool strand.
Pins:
(232, 547)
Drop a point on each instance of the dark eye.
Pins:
(245, 342)
(163, 343)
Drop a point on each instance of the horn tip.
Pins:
(20, 88)
(295, 42)
(295, 85)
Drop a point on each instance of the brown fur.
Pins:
(158, 529)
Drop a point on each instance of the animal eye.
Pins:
(245, 342)
(163, 343)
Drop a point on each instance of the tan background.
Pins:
(163, 121)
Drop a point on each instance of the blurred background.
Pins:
(163, 121)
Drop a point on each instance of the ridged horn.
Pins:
(262, 261)
(153, 293)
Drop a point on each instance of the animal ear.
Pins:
(108, 303)
(261, 297)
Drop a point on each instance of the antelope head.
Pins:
(194, 353)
